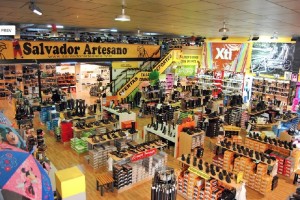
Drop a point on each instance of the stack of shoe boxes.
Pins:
(210, 186)
(266, 184)
(288, 166)
(261, 171)
(129, 174)
(218, 160)
(119, 176)
(244, 119)
(99, 155)
(228, 160)
(237, 139)
(280, 161)
(200, 184)
(134, 167)
(240, 164)
(216, 195)
(256, 145)
(248, 173)
(147, 163)
(190, 186)
(197, 141)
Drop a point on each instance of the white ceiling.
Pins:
(180, 17)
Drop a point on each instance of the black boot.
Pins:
(132, 130)
(221, 176)
(182, 157)
(188, 159)
(195, 162)
(228, 180)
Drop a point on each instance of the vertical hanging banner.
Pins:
(226, 56)
(188, 63)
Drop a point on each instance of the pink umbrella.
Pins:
(22, 174)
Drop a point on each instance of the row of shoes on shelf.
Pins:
(272, 141)
(209, 168)
(165, 128)
(191, 130)
(81, 124)
(133, 149)
(259, 156)
(96, 138)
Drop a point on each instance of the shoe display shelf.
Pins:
(194, 169)
(78, 131)
(262, 146)
(122, 116)
(271, 164)
(190, 142)
(171, 138)
(92, 144)
(231, 130)
(79, 145)
(135, 170)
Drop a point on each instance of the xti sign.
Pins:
(224, 54)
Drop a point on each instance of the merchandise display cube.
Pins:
(70, 182)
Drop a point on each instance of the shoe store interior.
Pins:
(158, 100)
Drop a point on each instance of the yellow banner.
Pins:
(125, 65)
(15, 49)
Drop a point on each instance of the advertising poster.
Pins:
(226, 56)
(15, 49)
(271, 58)
(188, 65)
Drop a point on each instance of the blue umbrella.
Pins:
(11, 136)
(22, 174)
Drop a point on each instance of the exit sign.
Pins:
(7, 30)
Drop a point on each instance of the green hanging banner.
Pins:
(186, 70)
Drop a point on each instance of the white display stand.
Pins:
(165, 136)
(124, 116)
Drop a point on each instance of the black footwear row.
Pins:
(208, 168)
(259, 156)
(272, 141)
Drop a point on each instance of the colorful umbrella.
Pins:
(11, 136)
(22, 174)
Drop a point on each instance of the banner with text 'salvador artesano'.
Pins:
(15, 49)
(226, 56)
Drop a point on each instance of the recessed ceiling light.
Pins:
(113, 30)
(57, 26)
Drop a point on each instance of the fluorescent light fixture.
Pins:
(34, 8)
(57, 26)
(113, 30)
(123, 17)
(103, 29)
(224, 29)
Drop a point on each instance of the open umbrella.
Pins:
(22, 174)
(11, 136)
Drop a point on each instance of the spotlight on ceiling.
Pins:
(225, 37)
(255, 38)
(224, 29)
(123, 17)
(274, 36)
(295, 38)
(34, 8)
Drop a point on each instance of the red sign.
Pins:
(144, 154)
(224, 54)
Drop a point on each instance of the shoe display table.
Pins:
(123, 116)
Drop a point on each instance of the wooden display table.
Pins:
(297, 173)
(104, 179)
(204, 175)
(123, 116)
